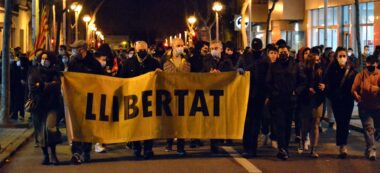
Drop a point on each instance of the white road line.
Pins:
(251, 168)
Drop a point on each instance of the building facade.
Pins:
(21, 32)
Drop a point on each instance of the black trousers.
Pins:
(342, 113)
(180, 144)
(81, 147)
(148, 145)
(253, 123)
(282, 116)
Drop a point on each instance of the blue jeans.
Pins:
(371, 121)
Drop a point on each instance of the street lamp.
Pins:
(217, 7)
(93, 30)
(191, 22)
(86, 19)
(77, 8)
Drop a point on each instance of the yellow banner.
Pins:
(155, 106)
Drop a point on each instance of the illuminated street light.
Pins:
(217, 7)
(77, 8)
(86, 19)
(192, 20)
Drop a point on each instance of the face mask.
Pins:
(215, 53)
(342, 61)
(130, 55)
(371, 68)
(142, 54)
(349, 53)
(61, 52)
(283, 58)
(45, 63)
(75, 51)
(65, 60)
(103, 64)
(18, 63)
(179, 51)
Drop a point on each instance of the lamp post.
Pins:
(86, 19)
(191, 25)
(76, 7)
(217, 7)
(93, 35)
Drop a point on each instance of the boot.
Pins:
(46, 160)
(54, 159)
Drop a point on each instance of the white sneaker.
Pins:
(307, 144)
(99, 148)
(274, 144)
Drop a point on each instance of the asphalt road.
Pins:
(120, 159)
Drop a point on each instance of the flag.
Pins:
(43, 29)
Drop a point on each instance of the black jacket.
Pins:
(45, 86)
(85, 65)
(333, 78)
(258, 66)
(285, 81)
(196, 62)
(132, 67)
(314, 76)
(223, 65)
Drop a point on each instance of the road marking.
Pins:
(251, 168)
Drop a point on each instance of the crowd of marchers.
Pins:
(286, 88)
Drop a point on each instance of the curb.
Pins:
(15, 146)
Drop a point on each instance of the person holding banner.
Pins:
(139, 64)
(176, 62)
(216, 63)
(82, 62)
(285, 81)
(44, 89)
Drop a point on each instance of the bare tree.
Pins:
(270, 11)
(5, 85)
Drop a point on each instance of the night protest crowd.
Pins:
(306, 87)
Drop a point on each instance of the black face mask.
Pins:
(371, 68)
(283, 58)
(142, 54)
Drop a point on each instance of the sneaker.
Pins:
(99, 148)
(372, 155)
(314, 154)
(75, 160)
(343, 152)
(274, 144)
(283, 155)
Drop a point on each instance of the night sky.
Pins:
(142, 19)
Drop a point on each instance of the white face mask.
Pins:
(45, 63)
(18, 63)
(103, 64)
(130, 55)
(216, 53)
(342, 61)
(349, 53)
(179, 51)
(75, 51)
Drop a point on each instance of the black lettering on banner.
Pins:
(163, 102)
(128, 106)
(181, 101)
(89, 114)
(115, 109)
(146, 103)
(199, 97)
(102, 113)
(216, 94)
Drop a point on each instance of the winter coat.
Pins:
(223, 65)
(367, 86)
(134, 67)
